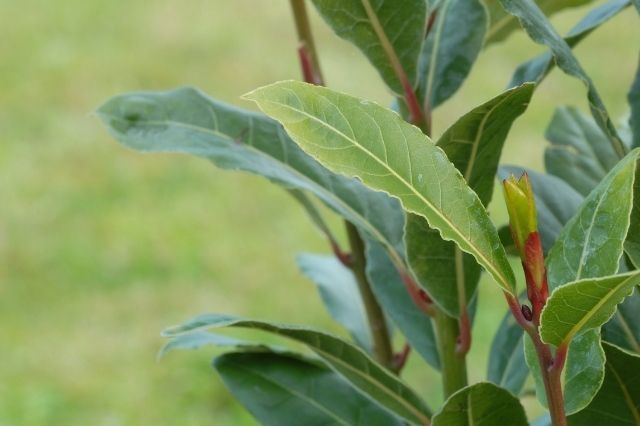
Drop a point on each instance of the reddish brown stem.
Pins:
(400, 359)
(464, 338)
(308, 72)
(418, 295)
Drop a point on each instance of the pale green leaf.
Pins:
(501, 24)
(187, 121)
(388, 32)
(583, 305)
(540, 30)
(391, 293)
(536, 69)
(450, 49)
(481, 404)
(340, 294)
(361, 139)
(348, 360)
(281, 390)
(618, 401)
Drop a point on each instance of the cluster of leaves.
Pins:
(419, 208)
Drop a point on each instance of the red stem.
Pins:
(400, 359)
(464, 339)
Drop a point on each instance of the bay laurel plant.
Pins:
(414, 208)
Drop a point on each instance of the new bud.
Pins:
(523, 222)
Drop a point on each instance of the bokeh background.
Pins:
(101, 247)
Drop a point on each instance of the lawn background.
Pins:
(101, 247)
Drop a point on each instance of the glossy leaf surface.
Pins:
(582, 305)
(388, 32)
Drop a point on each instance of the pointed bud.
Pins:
(523, 222)
(518, 195)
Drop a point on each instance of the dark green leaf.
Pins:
(556, 202)
(451, 48)
(579, 153)
(280, 390)
(481, 404)
(537, 68)
(359, 138)
(507, 367)
(388, 32)
(618, 401)
(348, 360)
(540, 30)
(340, 294)
(501, 24)
(391, 293)
(186, 121)
(624, 328)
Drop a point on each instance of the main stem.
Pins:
(452, 362)
(377, 323)
(551, 369)
(305, 36)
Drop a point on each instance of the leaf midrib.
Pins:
(504, 282)
(591, 312)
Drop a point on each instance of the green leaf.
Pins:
(474, 145)
(583, 375)
(632, 243)
(583, 305)
(200, 339)
(536, 69)
(540, 30)
(634, 102)
(618, 401)
(556, 202)
(361, 139)
(579, 153)
(507, 367)
(624, 328)
(348, 360)
(481, 404)
(187, 121)
(391, 293)
(281, 390)
(501, 24)
(591, 244)
(340, 294)
(388, 32)
(450, 49)
(314, 214)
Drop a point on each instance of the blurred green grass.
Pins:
(101, 248)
